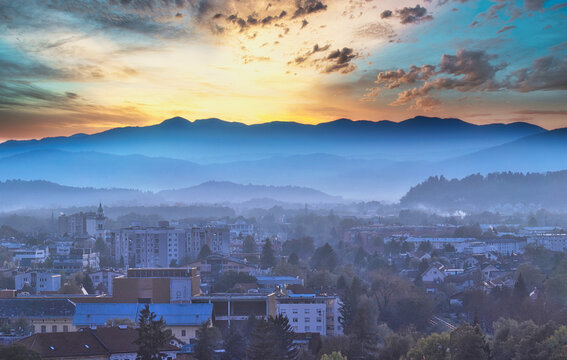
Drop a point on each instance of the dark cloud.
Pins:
(340, 61)
(465, 71)
(24, 94)
(534, 5)
(546, 73)
(316, 48)
(305, 7)
(541, 112)
(505, 28)
(304, 23)
(408, 15)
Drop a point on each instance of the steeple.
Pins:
(100, 211)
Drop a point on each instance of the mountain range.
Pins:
(361, 160)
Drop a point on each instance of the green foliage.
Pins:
(17, 352)
(467, 342)
(234, 345)
(267, 258)
(324, 258)
(207, 338)
(87, 283)
(333, 356)
(303, 247)
(293, 259)
(230, 278)
(272, 339)
(152, 335)
(432, 347)
(396, 347)
(249, 245)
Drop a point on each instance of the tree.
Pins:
(205, 252)
(261, 344)
(520, 291)
(432, 347)
(249, 245)
(467, 342)
(324, 258)
(207, 337)
(87, 283)
(267, 258)
(284, 336)
(234, 345)
(152, 335)
(17, 352)
(293, 259)
(230, 278)
(333, 356)
(396, 347)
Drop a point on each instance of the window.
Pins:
(54, 328)
(295, 320)
(43, 328)
(294, 311)
(307, 319)
(183, 333)
(319, 319)
(306, 311)
(65, 328)
(307, 328)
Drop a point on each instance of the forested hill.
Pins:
(547, 190)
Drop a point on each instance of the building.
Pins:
(236, 308)
(434, 274)
(269, 283)
(28, 257)
(83, 224)
(46, 315)
(156, 285)
(78, 260)
(103, 280)
(182, 319)
(215, 265)
(553, 242)
(309, 313)
(111, 343)
(164, 245)
(39, 281)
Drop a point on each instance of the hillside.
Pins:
(547, 190)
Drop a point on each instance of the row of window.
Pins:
(54, 328)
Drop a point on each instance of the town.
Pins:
(366, 287)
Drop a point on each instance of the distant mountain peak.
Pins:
(175, 122)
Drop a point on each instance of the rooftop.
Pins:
(36, 308)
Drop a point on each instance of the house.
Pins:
(103, 279)
(214, 265)
(489, 272)
(434, 274)
(182, 319)
(110, 343)
(46, 315)
(268, 284)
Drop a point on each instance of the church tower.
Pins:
(100, 223)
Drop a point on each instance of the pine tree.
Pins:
(152, 335)
(284, 336)
(520, 290)
(261, 346)
(207, 338)
(234, 345)
(267, 258)
(88, 284)
(205, 251)
(249, 245)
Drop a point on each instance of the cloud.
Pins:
(23, 94)
(546, 73)
(534, 5)
(316, 48)
(408, 15)
(377, 30)
(465, 71)
(505, 28)
(541, 112)
(305, 7)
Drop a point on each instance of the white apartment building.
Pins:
(29, 256)
(39, 281)
(103, 279)
(553, 242)
(308, 313)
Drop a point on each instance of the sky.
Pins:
(85, 66)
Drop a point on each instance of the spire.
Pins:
(100, 212)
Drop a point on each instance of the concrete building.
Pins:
(103, 280)
(269, 283)
(182, 319)
(39, 281)
(160, 246)
(236, 308)
(215, 265)
(30, 256)
(553, 242)
(309, 313)
(156, 285)
(77, 260)
(83, 224)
